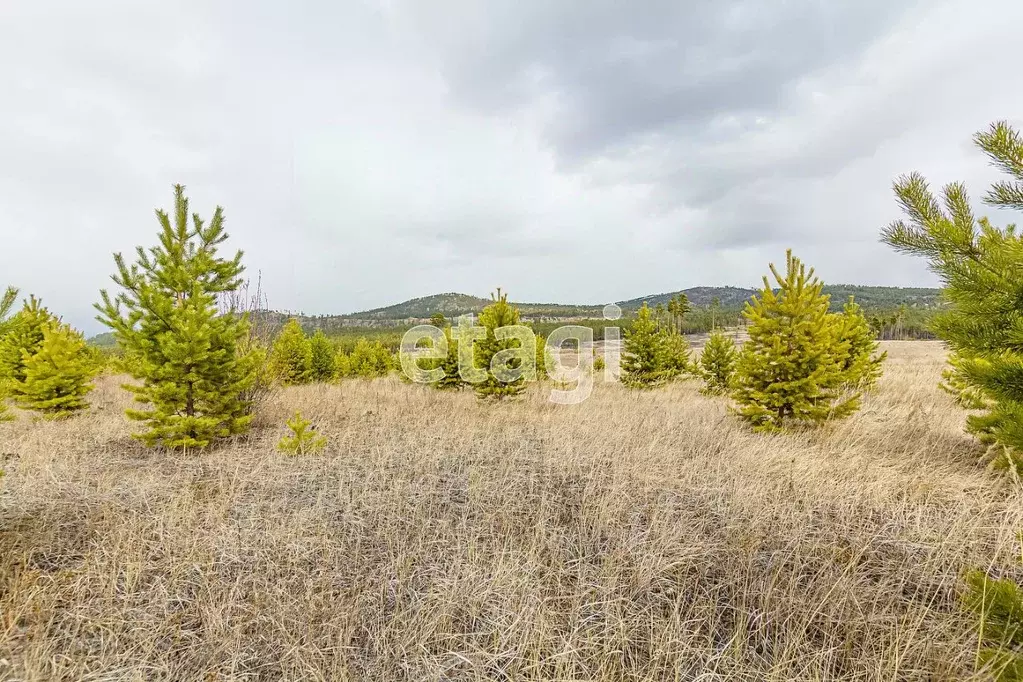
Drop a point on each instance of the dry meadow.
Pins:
(637, 536)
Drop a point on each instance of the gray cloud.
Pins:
(620, 72)
(372, 150)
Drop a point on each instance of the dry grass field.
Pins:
(637, 536)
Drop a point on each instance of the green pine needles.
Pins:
(304, 440)
(999, 605)
(800, 364)
(45, 365)
(452, 379)
(193, 374)
(980, 266)
(291, 358)
(58, 376)
(956, 382)
(861, 364)
(23, 338)
(502, 357)
(654, 351)
(6, 305)
(368, 360)
(321, 358)
(642, 356)
(717, 364)
(674, 353)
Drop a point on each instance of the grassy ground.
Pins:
(637, 536)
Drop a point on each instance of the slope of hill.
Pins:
(449, 304)
(866, 296)
(728, 297)
(454, 304)
(884, 297)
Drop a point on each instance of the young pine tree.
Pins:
(717, 364)
(6, 305)
(193, 374)
(452, 380)
(322, 353)
(979, 265)
(498, 314)
(674, 353)
(342, 365)
(291, 359)
(58, 376)
(791, 369)
(862, 363)
(370, 359)
(304, 440)
(23, 338)
(544, 359)
(642, 356)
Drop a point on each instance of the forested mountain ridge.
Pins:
(453, 304)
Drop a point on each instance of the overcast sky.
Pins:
(370, 151)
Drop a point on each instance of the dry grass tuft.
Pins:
(638, 536)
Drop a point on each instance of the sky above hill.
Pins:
(370, 151)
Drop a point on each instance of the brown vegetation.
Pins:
(637, 536)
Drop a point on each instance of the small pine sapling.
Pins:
(642, 356)
(303, 440)
(792, 367)
(6, 305)
(500, 314)
(22, 338)
(58, 376)
(862, 362)
(452, 380)
(291, 357)
(674, 354)
(717, 364)
(544, 358)
(322, 354)
(188, 351)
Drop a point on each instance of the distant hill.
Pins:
(884, 297)
(866, 296)
(450, 305)
(454, 304)
(105, 340)
(728, 297)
